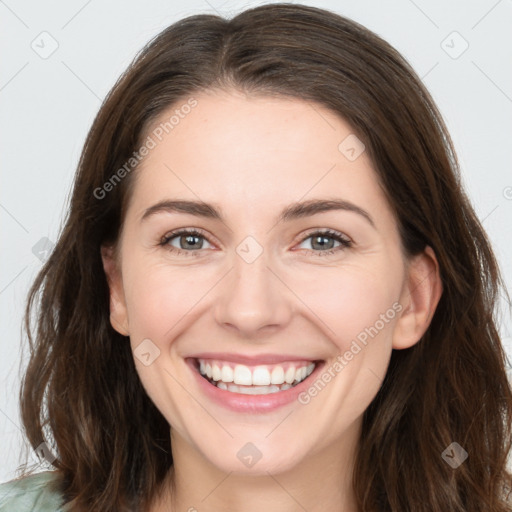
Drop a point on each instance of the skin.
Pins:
(252, 156)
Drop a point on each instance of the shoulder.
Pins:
(33, 493)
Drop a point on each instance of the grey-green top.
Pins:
(32, 493)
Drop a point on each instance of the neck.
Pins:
(320, 482)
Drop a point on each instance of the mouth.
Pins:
(257, 379)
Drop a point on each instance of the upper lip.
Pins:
(252, 359)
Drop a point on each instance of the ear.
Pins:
(419, 298)
(118, 311)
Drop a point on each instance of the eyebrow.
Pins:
(293, 211)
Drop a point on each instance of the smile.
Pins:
(254, 380)
(252, 384)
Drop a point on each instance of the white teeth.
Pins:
(260, 376)
(290, 375)
(278, 375)
(227, 374)
(242, 375)
(252, 390)
(263, 379)
(215, 372)
(258, 390)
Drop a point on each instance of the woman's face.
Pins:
(255, 298)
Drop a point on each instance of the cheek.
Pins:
(352, 303)
(159, 296)
(347, 302)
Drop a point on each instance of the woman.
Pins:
(271, 291)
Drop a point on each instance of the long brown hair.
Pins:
(81, 393)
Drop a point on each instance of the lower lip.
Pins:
(252, 403)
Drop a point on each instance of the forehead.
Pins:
(252, 152)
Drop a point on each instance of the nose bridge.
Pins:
(252, 297)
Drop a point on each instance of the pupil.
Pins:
(322, 244)
(321, 240)
(188, 238)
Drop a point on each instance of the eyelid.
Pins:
(344, 241)
(180, 231)
(176, 233)
(325, 231)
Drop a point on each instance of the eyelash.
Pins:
(345, 243)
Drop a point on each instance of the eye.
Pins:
(320, 240)
(189, 241)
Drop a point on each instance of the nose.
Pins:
(253, 299)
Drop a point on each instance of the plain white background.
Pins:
(462, 50)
